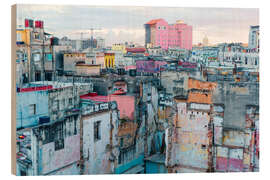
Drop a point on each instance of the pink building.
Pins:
(100, 59)
(125, 104)
(159, 33)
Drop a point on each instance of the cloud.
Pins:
(112, 35)
(43, 8)
(119, 23)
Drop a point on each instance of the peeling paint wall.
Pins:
(238, 151)
(95, 154)
(234, 138)
(55, 147)
(53, 160)
(62, 100)
(229, 159)
(191, 137)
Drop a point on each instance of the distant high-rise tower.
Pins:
(205, 41)
(253, 40)
(159, 33)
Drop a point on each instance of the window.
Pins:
(36, 57)
(58, 136)
(19, 37)
(37, 36)
(23, 173)
(203, 146)
(63, 103)
(49, 57)
(70, 101)
(75, 127)
(59, 144)
(32, 109)
(121, 142)
(97, 131)
(56, 105)
(192, 116)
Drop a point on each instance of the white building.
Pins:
(242, 59)
(99, 129)
(253, 39)
(156, 51)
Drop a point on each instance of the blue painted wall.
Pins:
(155, 168)
(23, 100)
(158, 139)
(121, 169)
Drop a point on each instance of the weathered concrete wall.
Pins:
(61, 100)
(95, 154)
(53, 160)
(23, 102)
(87, 70)
(234, 138)
(55, 145)
(191, 137)
(235, 97)
(70, 61)
(229, 159)
(72, 169)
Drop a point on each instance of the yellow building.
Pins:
(119, 47)
(23, 35)
(109, 60)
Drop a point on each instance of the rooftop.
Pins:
(95, 97)
(154, 21)
(47, 85)
(197, 84)
(197, 97)
(134, 50)
(125, 103)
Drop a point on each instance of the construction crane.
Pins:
(92, 38)
(91, 31)
(81, 33)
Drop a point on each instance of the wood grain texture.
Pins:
(13, 88)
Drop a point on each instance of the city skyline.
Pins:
(172, 106)
(122, 24)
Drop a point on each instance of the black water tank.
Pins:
(121, 71)
(44, 119)
(132, 72)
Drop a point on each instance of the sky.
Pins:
(120, 24)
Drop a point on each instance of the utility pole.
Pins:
(42, 60)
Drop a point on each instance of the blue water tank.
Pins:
(44, 119)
